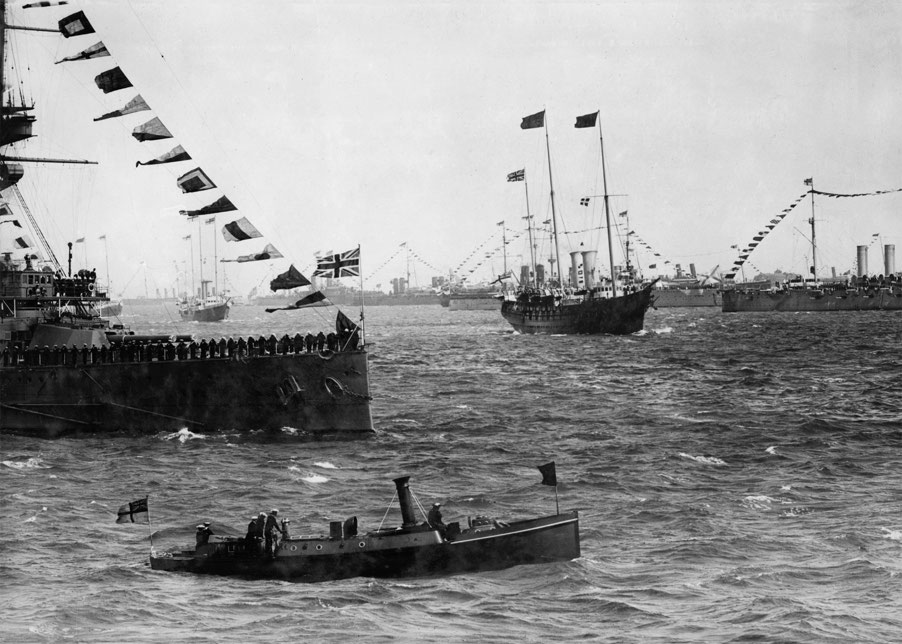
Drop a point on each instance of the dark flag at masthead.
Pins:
(533, 120)
(549, 475)
(587, 120)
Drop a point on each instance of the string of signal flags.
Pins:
(402, 246)
(193, 181)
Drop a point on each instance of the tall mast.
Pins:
(557, 250)
(106, 256)
(810, 182)
(2, 51)
(607, 212)
(532, 248)
(191, 254)
(503, 244)
(200, 259)
(215, 260)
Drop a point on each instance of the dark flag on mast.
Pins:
(533, 120)
(549, 475)
(519, 175)
(588, 120)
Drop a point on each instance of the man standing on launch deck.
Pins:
(272, 525)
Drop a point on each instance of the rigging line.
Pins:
(36, 229)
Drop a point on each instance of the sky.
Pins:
(337, 124)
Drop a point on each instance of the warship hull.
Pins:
(617, 316)
(318, 394)
(743, 301)
(389, 553)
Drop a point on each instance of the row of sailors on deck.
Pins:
(150, 351)
(263, 533)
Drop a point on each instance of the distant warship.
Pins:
(862, 291)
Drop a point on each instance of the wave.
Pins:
(33, 463)
(184, 435)
(707, 460)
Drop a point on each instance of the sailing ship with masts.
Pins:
(584, 302)
(861, 290)
(66, 370)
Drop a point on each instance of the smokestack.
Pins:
(889, 259)
(406, 502)
(589, 267)
(692, 270)
(862, 261)
(524, 275)
(575, 256)
(540, 274)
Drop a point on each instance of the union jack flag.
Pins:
(345, 264)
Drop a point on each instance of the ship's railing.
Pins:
(156, 351)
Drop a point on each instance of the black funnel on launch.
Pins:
(406, 502)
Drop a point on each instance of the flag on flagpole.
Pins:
(134, 512)
(101, 237)
(519, 175)
(80, 240)
(587, 120)
(533, 120)
(809, 181)
(346, 264)
(584, 201)
(549, 475)
(624, 213)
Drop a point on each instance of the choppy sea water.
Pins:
(739, 479)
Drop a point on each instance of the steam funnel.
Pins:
(862, 261)
(406, 502)
(589, 267)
